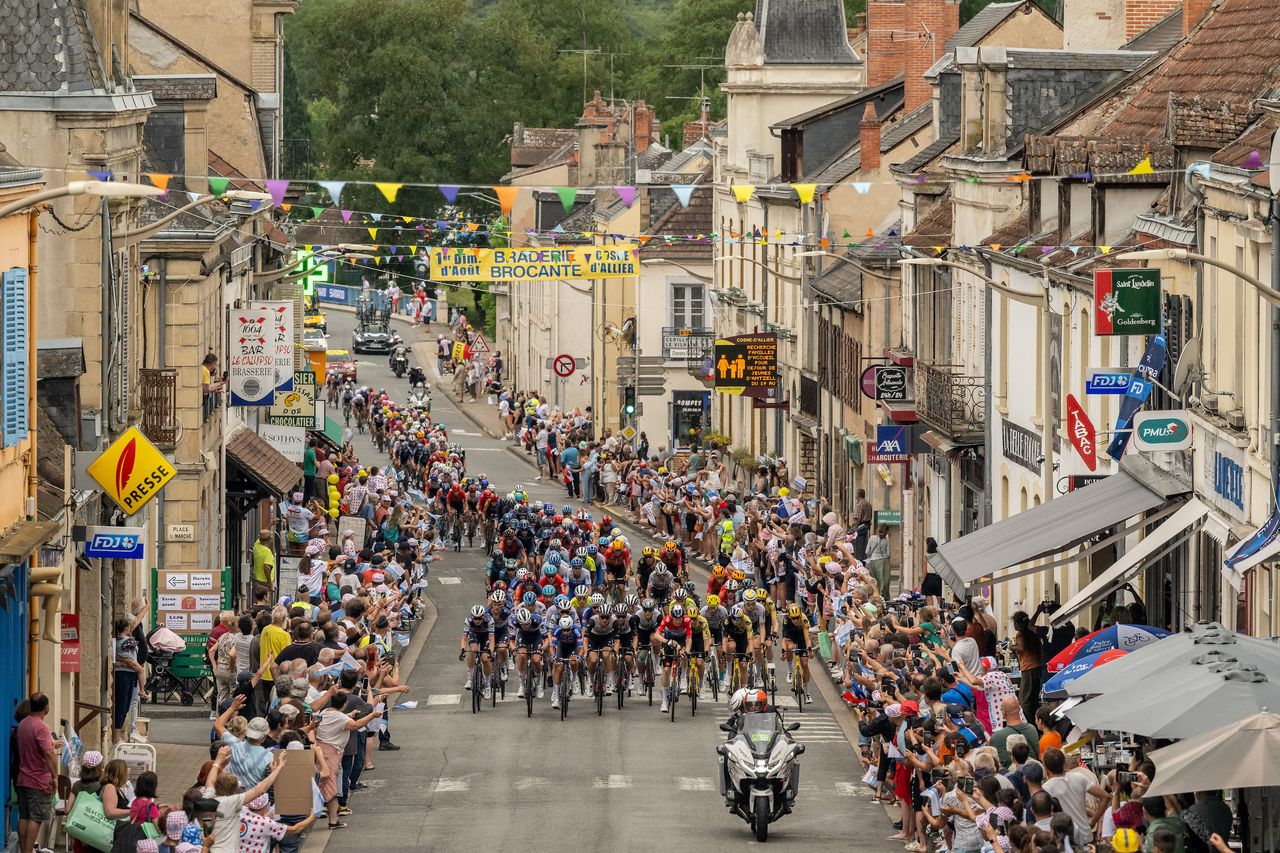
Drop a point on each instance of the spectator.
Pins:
(1161, 818)
(878, 558)
(273, 641)
(264, 564)
(128, 674)
(231, 797)
(1071, 790)
(37, 774)
(247, 758)
(1027, 646)
(1047, 726)
(1013, 722)
(223, 656)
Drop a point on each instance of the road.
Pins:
(619, 782)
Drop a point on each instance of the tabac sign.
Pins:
(132, 471)
(1126, 302)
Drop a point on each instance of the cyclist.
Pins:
(581, 600)
(617, 563)
(661, 583)
(673, 558)
(565, 645)
(755, 611)
(739, 637)
(646, 623)
(478, 638)
(550, 575)
(795, 641)
(598, 625)
(510, 546)
(624, 621)
(500, 612)
(700, 639)
(716, 582)
(578, 574)
(676, 637)
(644, 567)
(455, 505)
(530, 637)
(716, 615)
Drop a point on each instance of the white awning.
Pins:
(1151, 548)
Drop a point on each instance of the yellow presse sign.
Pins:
(132, 471)
(534, 264)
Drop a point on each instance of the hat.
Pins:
(92, 758)
(312, 550)
(148, 845)
(244, 677)
(175, 822)
(989, 663)
(259, 802)
(378, 577)
(258, 728)
(297, 744)
(893, 709)
(382, 622)
(910, 708)
(187, 848)
(297, 497)
(1033, 771)
(288, 712)
(955, 710)
(1125, 841)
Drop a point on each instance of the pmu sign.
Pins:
(893, 444)
(121, 543)
(1161, 431)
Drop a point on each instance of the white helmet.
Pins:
(523, 616)
(477, 612)
(566, 622)
(735, 701)
(750, 594)
(596, 600)
(677, 611)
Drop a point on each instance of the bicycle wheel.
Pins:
(530, 686)
(695, 684)
(496, 684)
(797, 684)
(674, 691)
(565, 693)
(648, 677)
(713, 675)
(477, 679)
(620, 682)
(597, 687)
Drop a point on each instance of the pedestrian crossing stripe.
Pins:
(686, 783)
(619, 781)
(445, 786)
(436, 699)
(449, 581)
(613, 780)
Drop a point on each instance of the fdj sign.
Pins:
(1126, 302)
(123, 543)
(1161, 431)
(1104, 380)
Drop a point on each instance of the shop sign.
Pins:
(1021, 445)
(1161, 430)
(1126, 302)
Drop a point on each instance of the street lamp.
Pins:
(133, 236)
(705, 279)
(104, 189)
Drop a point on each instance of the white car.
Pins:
(313, 338)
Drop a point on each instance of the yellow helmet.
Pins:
(794, 611)
(783, 492)
(713, 600)
(649, 551)
(717, 571)
(1125, 841)
(750, 594)
(738, 574)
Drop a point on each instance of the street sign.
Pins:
(893, 443)
(120, 543)
(628, 433)
(1084, 438)
(1079, 481)
(888, 517)
(296, 407)
(1126, 302)
(1163, 430)
(480, 345)
(747, 364)
(563, 365)
(132, 471)
(180, 532)
(891, 383)
(1106, 380)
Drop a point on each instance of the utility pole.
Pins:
(585, 53)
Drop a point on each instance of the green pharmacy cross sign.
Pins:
(1126, 302)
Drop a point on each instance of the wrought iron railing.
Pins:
(952, 403)
(159, 388)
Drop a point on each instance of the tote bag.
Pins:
(88, 824)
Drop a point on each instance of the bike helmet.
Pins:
(477, 612)
(738, 611)
(548, 508)
(631, 601)
(523, 616)
(677, 611)
(619, 610)
(529, 597)
(592, 550)
(555, 542)
(582, 590)
(648, 604)
(650, 551)
(618, 545)
(565, 623)
(510, 563)
(794, 611)
(522, 574)
(749, 594)
(731, 586)
(738, 575)
(713, 600)
(717, 572)
(577, 562)
(553, 558)
(566, 510)
(497, 553)
(581, 552)
(565, 606)
(548, 590)
(548, 571)
(597, 600)
(497, 596)
(755, 702)
(690, 587)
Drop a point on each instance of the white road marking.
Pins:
(694, 783)
(529, 783)
(613, 780)
(444, 699)
(851, 789)
(446, 786)
(449, 581)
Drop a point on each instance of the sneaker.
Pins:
(913, 847)
(808, 700)
(213, 715)
(488, 694)
(608, 691)
(502, 674)
(467, 686)
(665, 706)
(789, 676)
(343, 811)
(555, 700)
(388, 746)
(539, 689)
(520, 692)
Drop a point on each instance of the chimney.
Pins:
(886, 43)
(695, 130)
(1193, 12)
(644, 126)
(869, 139)
(932, 22)
(1142, 15)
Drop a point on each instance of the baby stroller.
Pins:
(174, 672)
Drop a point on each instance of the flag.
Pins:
(507, 198)
(218, 186)
(683, 192)
(805, 192)
(277, 189)
(388, 190)
(449, 192)
(743, 192)
(1261, 545)
(162, 181)
(1143, 168)
(627, 194)
(334, 189)
(568, 195)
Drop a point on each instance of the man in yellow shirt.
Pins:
(270, 645)
(264, 564)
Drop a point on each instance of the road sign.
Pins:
(563, 365)
(132, 471)
(1126, 302)
(480, 345)
(1166, 430)
(181, 532)
(1106, 380)
(747, 364)
(628, 433)
(891, 383)
(1084, 438)
(893, 444)
(888, 517)
(121, 543)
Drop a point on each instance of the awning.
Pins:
(332, 433)
(262, 463)
(1151, 548)
(1055, 526)
(17, 543)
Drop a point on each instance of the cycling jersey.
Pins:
(511, 547)
(566, 641)
(478, 633)
(531, 636)
(739, 630)
(701, 635)
(599, 635)
(715, 584)
(457, 497)
(646, 627)
(676, 629)
(796, 632)
(501, 622)
(715, 616)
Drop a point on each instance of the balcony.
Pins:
(159, 405)
(686, 344)
(950, 403)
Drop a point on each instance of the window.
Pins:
(688, 306)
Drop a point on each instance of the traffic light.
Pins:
(629, 400)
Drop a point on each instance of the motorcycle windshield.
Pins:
(760, 730)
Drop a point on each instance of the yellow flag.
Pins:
(743, 192)
(1143, 168)
(804, 192)
(406, 219)
(388, 191)
(373, 233)
(1105, 249)
(995, 247)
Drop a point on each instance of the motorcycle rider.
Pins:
(399, 357)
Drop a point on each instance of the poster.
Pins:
(534, 264)
(70, 648)
(291, 441)
(746, 364)
(280, 342)
(293, 785)
(287, 575)
(356, 524)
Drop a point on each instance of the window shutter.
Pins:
(13, 357)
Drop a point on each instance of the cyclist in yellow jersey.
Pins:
(739, 636)
(795, 641)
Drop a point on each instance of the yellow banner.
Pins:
(532, 264)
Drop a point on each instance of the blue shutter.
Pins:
(14, 370)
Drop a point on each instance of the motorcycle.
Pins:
(420, 398)
(759, 770)
(399, 363)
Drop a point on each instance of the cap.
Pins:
(175, 822)
(288, 711)
(148, 845)
(186, 847)
(297, 497)
(1033, 771)
(378, 577)
(1125, 841)
(257, 729)
(910, 708)
(893, 709)
(92, 758)
(259, 802)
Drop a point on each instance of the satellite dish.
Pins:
(1188, 360)
(1273, 164)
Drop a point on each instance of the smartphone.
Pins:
(965, 783)
(1123, 777)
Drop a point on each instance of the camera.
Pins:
(962, 749)
(1124, 777)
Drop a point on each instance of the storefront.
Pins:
(690, 416)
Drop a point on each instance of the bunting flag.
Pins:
(389, 191)
(346, 215)
(507, 198)
(450, 192)
(743, 192)
(1143, 168)
(995, 247)
(192, 196)
(277, 189)
(1104, 249)
(1253, 162)
(938, 250)
(316, 211)
(683, 192)
(373, 233)
(254, 204)
(862, 188)
(627, 194)
(805, 192)
(870, 233)
(100, 174)
(334, 189)
(286, 207)
(162, 181)
(1022, 178)
(376, 217)
(568, 195)
(218, 186)
(846, 235)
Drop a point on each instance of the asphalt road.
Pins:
(623, 781)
